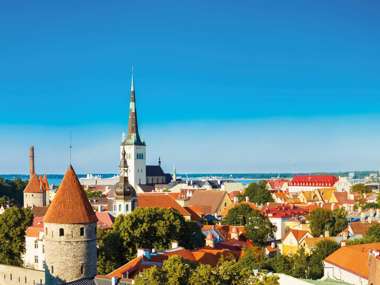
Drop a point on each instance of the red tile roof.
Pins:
(314, 180)
(277, 184)
(34, 231)
(105, 220)
(37, 184)
(70, 205)
(33, 185)
(160, 200)
(298, 234)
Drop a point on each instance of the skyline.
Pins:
(285, 89)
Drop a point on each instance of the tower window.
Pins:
(52, 269)
(81, 232)
(61, 232)
(81, 269)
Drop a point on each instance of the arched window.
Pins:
(61, 232)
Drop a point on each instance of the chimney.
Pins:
(327, 233)
(31, 161)
(174, 244)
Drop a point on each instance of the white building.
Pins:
(34, 256)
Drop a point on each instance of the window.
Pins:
(119, 208)
(126, 207)
(81, 232)
(36, 259)
(140, 156)
(43, 249)
(36, 244)
(52, 269)
(81, 269)
(61, 232)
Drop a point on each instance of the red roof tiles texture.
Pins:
(70, 205)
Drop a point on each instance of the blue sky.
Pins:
(221, 85)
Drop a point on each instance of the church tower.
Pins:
(134, 146)
(125, 194)
(70, 234)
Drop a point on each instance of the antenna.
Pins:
(70, 147)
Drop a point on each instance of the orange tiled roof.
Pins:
(360, 228)
(353, 258)
(33, 185)
(208, 198)
(298, 234)
(70, 205)
(34, 231)
(160, 200)
(105, 220)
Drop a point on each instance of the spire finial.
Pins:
(132, 83)
(70, 147)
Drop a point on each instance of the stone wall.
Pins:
(70, 256)
(34, 199)
(13, 275)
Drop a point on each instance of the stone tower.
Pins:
(70, 234)
(125, 194)
(35, 191)
(134, 146)
(31, 162)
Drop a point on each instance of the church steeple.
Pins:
(133, 136)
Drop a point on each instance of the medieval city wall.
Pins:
(13, 275)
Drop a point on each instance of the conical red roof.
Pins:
(33, 185)
(70, 205)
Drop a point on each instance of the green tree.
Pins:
(361, 188)
(13, 224)
(238, 215)
(156, 228)
(259, 228)
(174, 271)
(151, 276)
(192, 236)
(257, 193)
(13, 190)
(94, 194)
(340, 221)
(322, 220)
(177, 270)
(111, 252)
(323, 249)
(204, 274)
(373, 233)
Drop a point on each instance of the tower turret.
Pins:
(125, 194)
(70, 234)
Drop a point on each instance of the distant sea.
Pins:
(244, 178)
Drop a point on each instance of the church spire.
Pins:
(133, 136)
